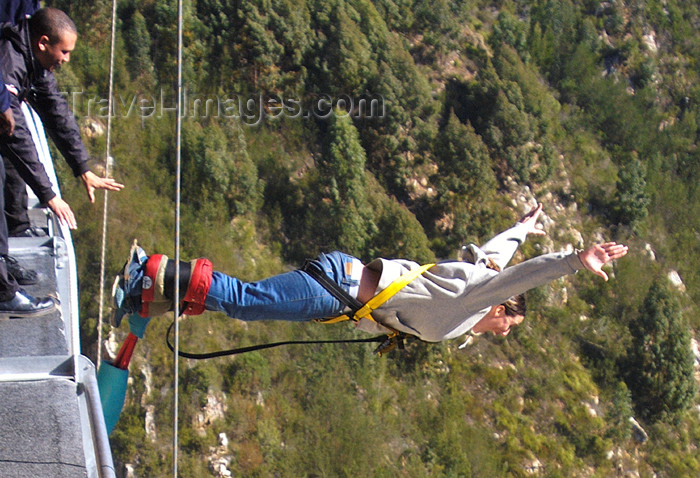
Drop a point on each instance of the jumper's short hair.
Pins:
(516, 305)
(51, 22)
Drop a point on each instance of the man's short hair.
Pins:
(516, 305)
(51, 22)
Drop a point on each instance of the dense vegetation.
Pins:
(592, 108)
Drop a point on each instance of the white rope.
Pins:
(176, 312)
(107, 173)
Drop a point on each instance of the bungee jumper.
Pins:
(433, 302)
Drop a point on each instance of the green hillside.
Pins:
(405, 128)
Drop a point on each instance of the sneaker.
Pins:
(126, 290)
(23, 305)
(21, 275)
(32, 231)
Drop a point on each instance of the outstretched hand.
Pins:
(595, 257)
(533, 228)
(63, 212)
(93, 182)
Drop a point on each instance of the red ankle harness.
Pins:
(153, 299)
(198, 287)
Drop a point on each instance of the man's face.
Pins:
(52, 55)
(497, 321)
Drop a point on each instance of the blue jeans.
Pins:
(294, 296)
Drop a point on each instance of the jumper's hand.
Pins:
(595, 257)
(7, 122)
(63, 211)
(531, 218)
(92, 182)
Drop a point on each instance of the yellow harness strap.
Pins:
(379, 299)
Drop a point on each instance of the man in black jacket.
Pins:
(29, 53)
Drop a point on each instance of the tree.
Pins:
(659, 371)
(464, 167)
(553, 31)
(509, 30)
(260, 50)
(347, 219)
(217, 173)
(342, 58)
(399, 234)
(632, 199)
(464, 181)
(138, 43)
(619, 413)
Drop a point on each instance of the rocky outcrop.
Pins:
(219, 458)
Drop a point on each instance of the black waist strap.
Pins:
(314, 269)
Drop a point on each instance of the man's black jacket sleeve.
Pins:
(20, 150)
(59, 122)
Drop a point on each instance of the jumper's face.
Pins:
(497, 322)
(52, 55)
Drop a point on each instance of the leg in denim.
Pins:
(293, 296)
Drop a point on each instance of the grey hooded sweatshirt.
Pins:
(451, 297)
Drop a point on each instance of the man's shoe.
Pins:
(24, 305)
(32, 231)
(21, 275)
(126, 290)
